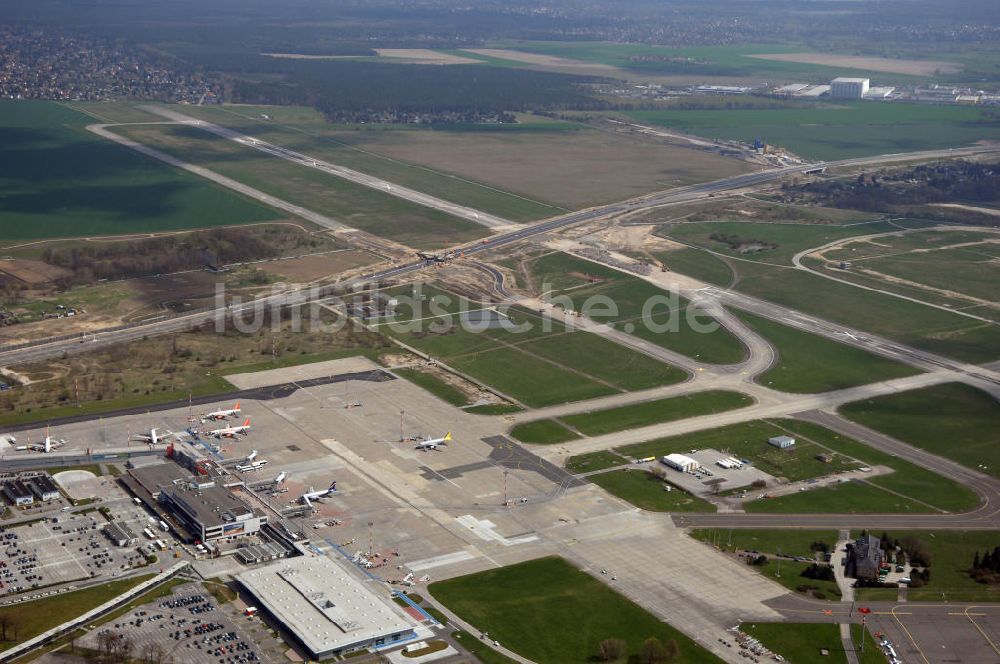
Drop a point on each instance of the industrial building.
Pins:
(43, 487)
(325, 607)
(849, 88)
(782, 442)
(680, 462)
(17, 493)
(211, 512)
(119, 533)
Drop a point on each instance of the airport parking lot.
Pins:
(60, 549)
(928, 634)
(189, 626)
(699, 482)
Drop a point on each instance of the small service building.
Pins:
(782, 442)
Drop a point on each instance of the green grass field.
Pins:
(841, 130)
(698, 264)
(353, 204)
(577, 612)
(808, 363)
(634, 306)
(927, 258)
(37, 616)
(793, 542)
(632, 416)
(59, 180)
(911, 323)
(783, 240)
(802, 643)
(846, 498)
(542, 432)
(537, 367)
(584, 463)
(637, 415)
(920, 489)
(953, 420)
(648, 492)
(434, 385)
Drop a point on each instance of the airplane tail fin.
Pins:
(246, 422)
(447, 436)
(237, 407)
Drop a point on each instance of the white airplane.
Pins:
(433, 443)
(231, 432)
(280, 478)
(48, 443)
(251, 456)
(312, 495)
(852, 337)
(223, 414)
(152, 437)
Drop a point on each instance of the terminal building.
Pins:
(849, 88)
(326, 608)
(211, 512)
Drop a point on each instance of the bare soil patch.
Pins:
(890, 65)
(424, 56)
(32, 272)
(310, 268)
(572, 169)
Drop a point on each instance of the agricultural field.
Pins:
(536, 367)
(576, 281)
(720, 64)
(577, 610)
(352, 204)
(648, 492)
(953, 420)
(831, 131)
(632, 416)
(808, 363)
(523, 171)
(908, 488)
(59, 180)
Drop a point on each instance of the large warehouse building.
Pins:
(849, 88)
(327, 609)
(680, 462)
